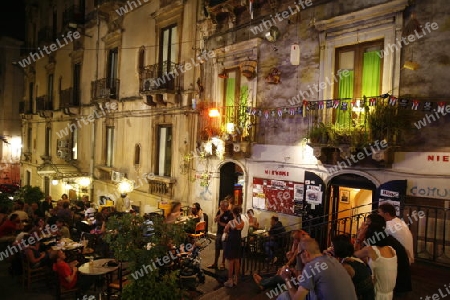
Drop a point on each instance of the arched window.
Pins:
(141, 59)
(137, 154)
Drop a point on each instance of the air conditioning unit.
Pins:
(148, 84)
(104, 93)
(62, 153)
(116, 176)
(62, 143)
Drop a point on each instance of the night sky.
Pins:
(12, 19)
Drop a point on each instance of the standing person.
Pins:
(383, 262)
(403, 284)
(323, 277)
(244, 218)
(232, 250)
(223, 216)
(397, 228)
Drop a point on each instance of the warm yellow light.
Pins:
(214, 113)
(84, 181)
(125, 186)
(230, 128)
(55, 182)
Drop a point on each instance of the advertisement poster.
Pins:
(278, 195)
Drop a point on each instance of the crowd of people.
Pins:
(375, 266)
(46, 223)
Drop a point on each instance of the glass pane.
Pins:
(174, 45)
(75, 143)
(347, 60)
(165, 45)
(109, 146)
(165, 151)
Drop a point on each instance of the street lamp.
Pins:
(124, 187)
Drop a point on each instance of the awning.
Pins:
(60, 171)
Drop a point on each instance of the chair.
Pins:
(200, 228)
(31, 275)
(62, 292)
(121, 280)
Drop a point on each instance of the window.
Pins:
(76, 84)
(28, 177)
(30, 97)
(109, 145)
(164, 151)
(141, 59)
(48, 141)
(50, 90)
(29, 139)
(236, 98)
(168, 49)
(55, 24)
(137, 154)
(111, 82)
(75, 143)
(363, 64)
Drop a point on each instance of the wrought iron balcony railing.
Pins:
(165, 76)
(105, 88)
(43, 103)
(69, 97)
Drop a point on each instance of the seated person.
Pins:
(253, 222)
(99, 224)
(68, 273)
(292, 257)
(10, 226)
(63, 230)
(197, 211)
(35, 256)
(175, 212)
(270, 246)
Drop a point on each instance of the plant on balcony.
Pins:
(338, 135)
(384, 123)
(318, 133)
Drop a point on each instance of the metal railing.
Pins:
(42, 103)
(105, 88)
(429, 225)
(161, 76)
(69, 97)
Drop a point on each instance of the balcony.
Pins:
(43, 103)
(73, 14)
(160, 78)
(105, 88)
(69, 98)
(45, 34)
(23, 109)
(161, 186)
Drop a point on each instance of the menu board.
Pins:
(278, 195)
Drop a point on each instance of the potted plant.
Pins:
(318, 134)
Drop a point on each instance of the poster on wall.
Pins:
(278, 195)
(313, 194)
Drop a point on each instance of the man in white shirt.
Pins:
(397, 228)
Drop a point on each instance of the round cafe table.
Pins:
(99, 267)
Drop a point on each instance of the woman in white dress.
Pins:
(383, 262)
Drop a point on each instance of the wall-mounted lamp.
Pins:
(213, 113)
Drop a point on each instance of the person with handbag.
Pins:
(232, 247)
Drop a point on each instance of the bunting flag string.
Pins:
(345, 105)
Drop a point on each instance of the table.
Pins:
(99, 267)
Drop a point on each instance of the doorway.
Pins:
(232, 182)
(351, 199)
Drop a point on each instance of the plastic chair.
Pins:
(200, 228)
